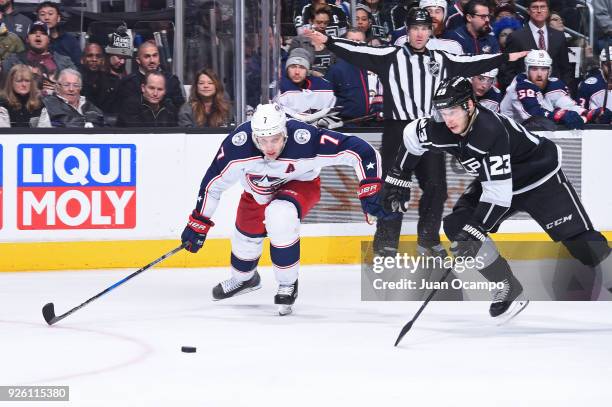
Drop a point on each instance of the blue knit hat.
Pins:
(506, 22)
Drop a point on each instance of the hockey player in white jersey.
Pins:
(303, 97)
(277, 161)
(485, 91)
(537, 94)
(592, 91)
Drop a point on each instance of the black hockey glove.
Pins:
(195, 232)
(396, 191)
(467, 243)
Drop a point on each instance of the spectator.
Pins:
(537, 35)
(556, 21)
(45, 64)
(117, 51)
(61, 42)
(21, 99)
(15, 22)
(603, 17)
(10, 43)
(456, 15)
(67, 108)
(380, 13)
(535, 95)
(485, 91)
(98, 85)
(439, 40)
(151, 108)
(323, 59)
(475, 35)
(207, 106)
(503, 28)
(592, 91)
(147, 59)
(307, 15)
(350, 83)
(302, 94)
(364, 22)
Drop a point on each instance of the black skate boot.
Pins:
(508, 301)
(232, 287)
(285, 297)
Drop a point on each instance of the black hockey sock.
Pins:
(386, 238)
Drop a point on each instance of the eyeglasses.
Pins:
(70, 85)
(483, 16)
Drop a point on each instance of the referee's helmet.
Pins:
(418, 16)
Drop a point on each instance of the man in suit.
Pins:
(538, 35)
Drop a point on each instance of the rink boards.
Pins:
(75, 201)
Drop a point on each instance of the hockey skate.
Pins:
(436, 250)
(285, 297)
(232, 287)
(508, 301)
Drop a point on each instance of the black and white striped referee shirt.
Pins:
(410, 78)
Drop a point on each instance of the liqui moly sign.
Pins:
(76, 186)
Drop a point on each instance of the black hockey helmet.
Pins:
(418, 16)
(455, 91)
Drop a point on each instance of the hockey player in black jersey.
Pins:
(515, 171)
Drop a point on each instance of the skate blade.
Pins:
(245, 291)
(516, 308)
(284, 310)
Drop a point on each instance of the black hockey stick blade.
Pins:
(433, 292)
(49, 313)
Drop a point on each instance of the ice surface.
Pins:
(124, 349)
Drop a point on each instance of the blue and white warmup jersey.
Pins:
(525, 99)
(307, 150)
(492, 99)
(591, 91)
(314, 95)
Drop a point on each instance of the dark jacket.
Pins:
(137, 112)
(20, 117)
(61, 114)
(100, 88)
(522, 40)
(129, 88)
(486, 44)
(61, 61)
(350, 85)
(17, 23)
(67, 44)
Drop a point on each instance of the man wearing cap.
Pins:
(15, 22)
(44, 63)
(304, 97)
(485, 91)
(592, 91)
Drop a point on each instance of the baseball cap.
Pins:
(39, 26)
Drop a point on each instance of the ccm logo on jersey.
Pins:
(559, 221)
(76, 186)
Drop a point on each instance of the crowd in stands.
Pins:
(48, 81)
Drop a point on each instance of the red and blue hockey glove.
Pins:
(396, 191)
(569, 118)
(195, 232)
(369, 195)
(599, 116)
(467, 243)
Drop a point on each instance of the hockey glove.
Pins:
(467, 243)
(330, 122)
(195, 232)
(599, 116)
(369, 195)
(569, 118)
(396, 191)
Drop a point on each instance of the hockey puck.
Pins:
(188, 349)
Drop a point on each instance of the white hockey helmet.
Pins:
(491, 74)
(602, 55)
(434, 3)
(267, 121)
(537, 57)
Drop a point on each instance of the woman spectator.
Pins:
(206, 106)
(503, 27)
(21, 99)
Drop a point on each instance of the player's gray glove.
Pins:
(330, 122)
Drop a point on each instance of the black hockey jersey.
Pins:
(505, 157)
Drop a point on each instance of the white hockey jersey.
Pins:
(316, 94)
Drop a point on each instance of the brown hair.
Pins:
(220, 109)
(34, 98)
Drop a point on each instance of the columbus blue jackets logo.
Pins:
(301, 136)
(264, 184)
(239, 138)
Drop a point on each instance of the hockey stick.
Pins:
(607, 53)
(361, 119)
(433, 292)
(49, 309)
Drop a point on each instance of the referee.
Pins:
(410, 74)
